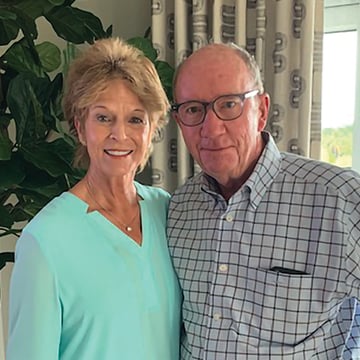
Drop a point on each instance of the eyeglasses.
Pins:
(226, 107)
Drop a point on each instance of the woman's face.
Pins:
(116, 132)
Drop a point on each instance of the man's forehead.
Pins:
(208, 61)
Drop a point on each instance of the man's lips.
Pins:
(214, 148)
(118, 152)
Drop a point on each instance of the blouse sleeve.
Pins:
(34, 305)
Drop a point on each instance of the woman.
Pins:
(92, 278)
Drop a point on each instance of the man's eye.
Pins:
(228, 104)
(192, 110)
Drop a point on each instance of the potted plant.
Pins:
(36, 163)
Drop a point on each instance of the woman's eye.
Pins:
(136, 120)
(102, 118)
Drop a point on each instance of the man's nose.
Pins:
(212, 124)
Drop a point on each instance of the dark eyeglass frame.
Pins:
(243, 96)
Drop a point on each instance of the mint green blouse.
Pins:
(82, 290)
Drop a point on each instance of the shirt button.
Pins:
(229, 217)
(223, 268)
(217, 317)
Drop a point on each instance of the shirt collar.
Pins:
(266, 170)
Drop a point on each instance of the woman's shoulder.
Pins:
(60, 210)
(148, 192)
(154, 198)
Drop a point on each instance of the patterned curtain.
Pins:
(285, 37)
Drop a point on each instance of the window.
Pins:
(340, 87)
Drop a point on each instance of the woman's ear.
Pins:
(264, 106)
(80, 131)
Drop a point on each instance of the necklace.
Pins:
(127, 227)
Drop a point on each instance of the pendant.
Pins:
(128, 228)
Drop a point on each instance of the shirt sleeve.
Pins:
(353, 252)
(34, 305)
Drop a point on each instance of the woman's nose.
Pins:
(118, 131)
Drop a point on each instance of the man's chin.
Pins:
(217, 159)
(216, 171)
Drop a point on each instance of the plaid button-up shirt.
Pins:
(274, 272)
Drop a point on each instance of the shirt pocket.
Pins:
(286, 309)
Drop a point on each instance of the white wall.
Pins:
(129, 18)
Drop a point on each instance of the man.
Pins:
(265, 244)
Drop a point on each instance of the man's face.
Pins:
(225, 150)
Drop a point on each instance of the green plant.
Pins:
(36, 163)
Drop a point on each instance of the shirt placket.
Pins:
(218, 321)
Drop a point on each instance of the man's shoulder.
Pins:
(189, 190)
(320, 173)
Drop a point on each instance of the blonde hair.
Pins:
(90, 73)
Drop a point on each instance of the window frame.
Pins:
(339, 16)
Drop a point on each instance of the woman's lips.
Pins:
(118, 152)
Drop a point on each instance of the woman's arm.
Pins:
(34, 305)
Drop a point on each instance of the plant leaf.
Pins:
(56, 2)
(5, 142)
(26, 108)
(9, 29)
(6, 257)
(41, 156)
(69, 53)
(54, 115)
(166, 74)
(63, 149)
(29, 30)
(5, 146)
(34, 178)
(34, 204)
(109, 31)
(6, 219)
(75, 25)
(50, 56)
(20, 58)
(52, 190)
(34, 8)
(68, 2)
(19, 214)
(7, 15)
(27, 24)
(145, 45)
(12, 172)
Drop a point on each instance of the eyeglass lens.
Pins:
(227, 107)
